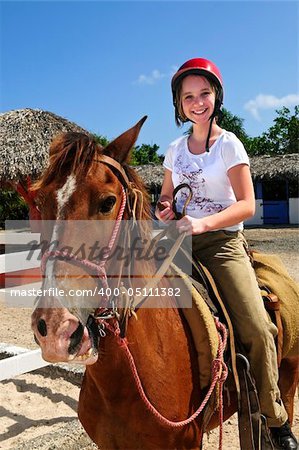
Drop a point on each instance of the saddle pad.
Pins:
(202, 326)
(271, 273)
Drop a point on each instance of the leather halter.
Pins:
(115, 164)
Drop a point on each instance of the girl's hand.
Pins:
(190, 225)
(164, 212)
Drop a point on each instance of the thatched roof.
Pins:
(275, 167)
(262, 167)
(25, 136)
(151, 174)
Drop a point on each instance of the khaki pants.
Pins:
(224, 253)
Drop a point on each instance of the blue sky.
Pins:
(106, 64)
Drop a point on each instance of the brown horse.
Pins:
(86, 182)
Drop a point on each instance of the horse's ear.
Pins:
(119, 149)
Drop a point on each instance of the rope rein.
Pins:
(219, 374)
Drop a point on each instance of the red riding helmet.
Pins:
(198, 66)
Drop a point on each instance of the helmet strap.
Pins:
(217, 111)
(209, 133)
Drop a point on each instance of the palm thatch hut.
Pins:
(25, 136)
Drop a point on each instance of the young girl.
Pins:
(215, 165)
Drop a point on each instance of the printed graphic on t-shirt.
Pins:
(197, 182)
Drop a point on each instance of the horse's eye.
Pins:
(107, 204)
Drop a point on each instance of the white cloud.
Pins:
(154, 76)
(269, 102)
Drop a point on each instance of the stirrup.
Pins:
(267, 442)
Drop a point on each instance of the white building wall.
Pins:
(294, 210)
(257, 219)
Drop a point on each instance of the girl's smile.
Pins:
(199, 112)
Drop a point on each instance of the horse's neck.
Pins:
(111, 407)
(163, 354)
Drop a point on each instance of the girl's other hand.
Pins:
(164, 211)
(190, 225)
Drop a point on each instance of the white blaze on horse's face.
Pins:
(64, 194)
(57, 326)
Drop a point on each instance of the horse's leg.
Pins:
(288, 382)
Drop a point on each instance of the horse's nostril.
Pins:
(42, 327)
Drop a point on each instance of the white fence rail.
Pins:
(18, 238)
(21, 363)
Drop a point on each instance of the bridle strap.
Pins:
(116, 165)
(126, 183)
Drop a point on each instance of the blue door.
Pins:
(275, 202)
(275, 212)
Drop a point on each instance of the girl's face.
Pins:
(198, 98)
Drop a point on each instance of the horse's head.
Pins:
(84, 182)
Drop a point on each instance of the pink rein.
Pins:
(219, 375)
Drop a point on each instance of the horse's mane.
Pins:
(69, 152)
(78, 153)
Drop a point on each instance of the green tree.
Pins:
(102, 140)
(282, 138)
(12, 207)
(235, 124)
(145, 154)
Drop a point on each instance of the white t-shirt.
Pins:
(206, 174)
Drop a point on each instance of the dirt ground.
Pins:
(39, 412)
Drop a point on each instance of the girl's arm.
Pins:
(165, 199)
(244, 207)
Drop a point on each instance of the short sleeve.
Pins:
(233, 151)
(168, 160)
